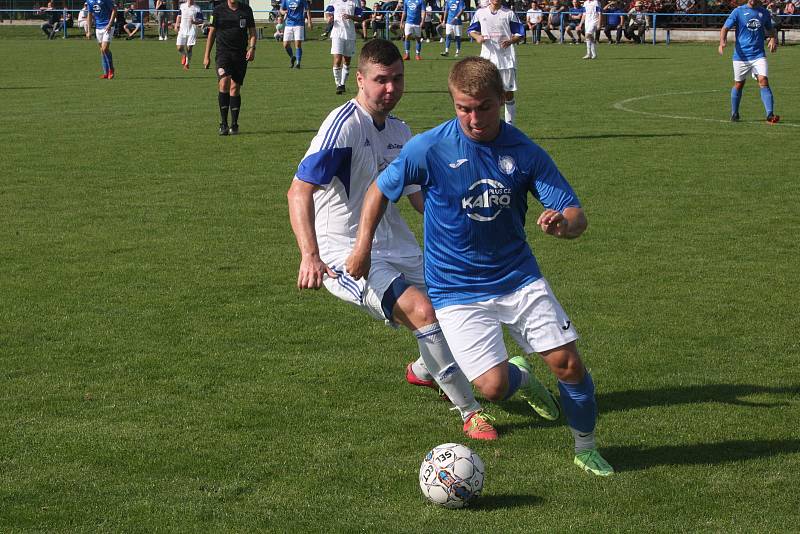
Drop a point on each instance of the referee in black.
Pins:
(234, 29)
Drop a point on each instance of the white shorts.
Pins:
(756, 67)
(452, 29)
(368, 294)
(474, 332)
(413, 30)
(83, 25)
(343, 47)
(187, 39)
(509, 77)
(590, 30)
(294, 33)
(104, 36)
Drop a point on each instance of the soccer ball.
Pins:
(451, 475)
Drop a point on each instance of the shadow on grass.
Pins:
(275, 132)
(639, 458)
(502, 502)
(609, 136)
(722, 393)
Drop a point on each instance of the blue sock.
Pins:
(298, 54)
(766, 98)
(289, 51)
(458, 44)
(514, 379)
(104, 62)
(407, 45)
(110, 60)
(578, 403)
(447, 42)
(419, 47)
(736, 97)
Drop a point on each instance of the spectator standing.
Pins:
(162, 19)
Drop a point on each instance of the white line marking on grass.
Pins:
(621, 105)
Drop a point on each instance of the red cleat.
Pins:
(405, 57)
(418, 57)
(414, 380)
(110, 74)
(477, 426)
(773, 119)
(185, 66)
(104, 76)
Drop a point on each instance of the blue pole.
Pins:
(561, 27)
(64, 22)
(141, 28)
(655, 16)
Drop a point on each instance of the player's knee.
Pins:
(494, 390)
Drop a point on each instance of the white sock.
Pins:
(594, 49)
(583, 441)
(511, 111)
(588, 48)
(345, 72)
(420, 370)
(337, 76)
(440, 363)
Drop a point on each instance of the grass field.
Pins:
(160, 372)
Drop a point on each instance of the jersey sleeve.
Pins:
(331, 152)
(251, 21)
(767, 20)
(548, 185)
(329, 9)
(475, 25)
(407, 170)
(730, 22)
(214, 18)
(516, 27)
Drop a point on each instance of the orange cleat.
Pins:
(477, 426)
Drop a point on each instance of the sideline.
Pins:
(621, 105)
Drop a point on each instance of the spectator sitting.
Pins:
(533, 20)
(52, 25)
(133, 22)
(378, 21)
(366, 19)
(574, 20)
(615, 22)
(637, 23)
(789, 9)
(554, 20)
(279, 26)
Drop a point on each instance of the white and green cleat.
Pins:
(539, 397)
(591, 461)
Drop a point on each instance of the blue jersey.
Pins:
(101, 10)
(413, 10)
(295, 11)
(454, 8)
(750, 24)
(476, 198)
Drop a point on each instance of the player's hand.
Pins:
(552, 222)
(250, 55)
(206, 62)
(506, 43)
(358, 264)
(722, 48)
(772, 44)
(312, 272)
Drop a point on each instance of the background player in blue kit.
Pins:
(753, 24)
(452, 28)
(296, 13)
(476, 173)
(411, 21)
(104, 13)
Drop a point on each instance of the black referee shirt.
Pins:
(231, 27)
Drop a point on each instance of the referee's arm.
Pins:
(212, 34)
(250, 55)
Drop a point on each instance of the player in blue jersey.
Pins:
(452, 26)
(411, 21)
(296, 14)
(753, 24)
(103, 13)
(476, 173)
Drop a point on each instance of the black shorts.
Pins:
(233, 65)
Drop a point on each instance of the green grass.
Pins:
(160, 372)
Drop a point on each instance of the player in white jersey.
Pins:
(590, 23)
(344, 14)
(498, 29)
(356, 142)
(189, 16)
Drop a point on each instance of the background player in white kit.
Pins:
(185, 24)
(355, 143)
(498, 29)
(343, 14)
(590, 23)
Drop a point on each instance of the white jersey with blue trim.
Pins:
(476, 198)
(344, 158)
(497, 27)
(343, 29)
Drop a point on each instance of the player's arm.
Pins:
(723, 40)
(474, 31)
(89, 21)
(111, 19)
(212, 35)
(359, 261)
(417, 201)
(178, 22)
(582, 21)
(301, 215)
(308, 17)
(250, 55)
(567, 224)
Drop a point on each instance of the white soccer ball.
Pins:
(451, 475)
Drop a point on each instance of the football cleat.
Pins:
(223, 129)
(406, 57)
(587, 56)
(414, 380)
(773, 119)
(591, 462)
(418, 57)
(735, 117)
(104, 76)
(111, 74)
(477, 426)
(292, 62)
(444, 54)
(339, 89)
(234, 129)
(538, 397)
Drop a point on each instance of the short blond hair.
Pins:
(474, 76)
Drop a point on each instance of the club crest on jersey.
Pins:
(754, 24)
(485, 199)
(507, 164)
